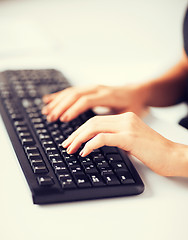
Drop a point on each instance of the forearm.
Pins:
(178, 163)
(170, 88)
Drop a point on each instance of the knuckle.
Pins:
(131, 119)
(67, 90)
(99, 87)
(84, 100)
(92, 122)
(130, 116)
(101, 137)
(75, 93)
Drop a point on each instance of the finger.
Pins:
(75, 134)
(57, 99)
(63, 101)
(49, 97)
(79, 106)
(87, 125)
(88, 131)
(94, 125)
(79, 140)
(61, 107)
(70, 139)
(101, 139)
(83, 104)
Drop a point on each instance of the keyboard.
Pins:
(52, 174)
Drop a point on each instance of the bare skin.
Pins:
(126, 130)
(134, 136)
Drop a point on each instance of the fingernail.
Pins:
(64, 144)
(64, 118)
(81, 153)
(49, 118)
(44, 110)
(69, 150)
(44, 99)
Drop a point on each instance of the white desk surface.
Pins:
(108, 42)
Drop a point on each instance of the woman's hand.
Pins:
(69, 103)
(128, 132)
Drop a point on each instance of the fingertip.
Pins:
(82, 154)
(63, 118)
(69, 150)
(44, 110)
(45, 98)
(50, 118)
(65, 144)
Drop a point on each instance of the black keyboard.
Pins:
(52, 174)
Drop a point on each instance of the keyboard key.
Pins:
(31, 149)
(27, 141)
(36, 120)
(31, 109)
(85, 161)
(19, 124)
(34, 115)
(76, 169)
(66, 181)
(39, 125)
(67, 132)
(96, 179)
(82, 180)
(105, 169)
(114, 158)
(55, 133)
(41, 131)
(72, 163)
(44, 137)
(37, 162)
(45, 181)
(109, 150)
(24, 135)
(40, 169)
(102, 164)
(117, 166)
(57, 158)
(125, 177)
(48, 144)
(51, 151)
(16, 117)
(90, 169)
(64, 126)
(60, 170)
(56, 164)
(59, 139)
(22, 129)
(110, 179)
(98, 159)
(95, 152)
(34, 156)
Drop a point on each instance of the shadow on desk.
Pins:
(144, 174)
(181, 181)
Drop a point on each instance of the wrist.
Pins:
(179, 159)
(144, 90)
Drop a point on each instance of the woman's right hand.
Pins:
(69, 103)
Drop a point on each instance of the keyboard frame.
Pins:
(55, 193)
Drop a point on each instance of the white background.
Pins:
(93, 42)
